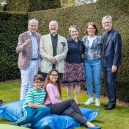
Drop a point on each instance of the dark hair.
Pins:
(47, 80)
(93, 24)
(38, 77)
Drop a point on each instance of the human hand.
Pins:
(27, 42)
(114, 68)
(53, 60)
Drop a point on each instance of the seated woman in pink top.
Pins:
(53, 88)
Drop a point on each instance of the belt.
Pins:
(34, 58)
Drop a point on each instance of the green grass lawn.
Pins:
(114, 119)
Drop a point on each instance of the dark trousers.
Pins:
(109, 79)
(63, 108)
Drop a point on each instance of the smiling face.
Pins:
(91, 30)
(53, 27)
(32, 27)
(38, 84)
(53, 77)
(107, 24)
(74, 33)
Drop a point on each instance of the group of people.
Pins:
(73, 62)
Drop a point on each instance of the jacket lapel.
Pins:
(49, 41)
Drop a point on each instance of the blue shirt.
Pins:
(75, 51)
(93, 52)
(35, 53)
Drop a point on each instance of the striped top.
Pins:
(35, 96)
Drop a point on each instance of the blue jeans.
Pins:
(31, 115)
(93, 70)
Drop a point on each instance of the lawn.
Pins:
(114, 119)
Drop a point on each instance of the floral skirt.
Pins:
(74, 74)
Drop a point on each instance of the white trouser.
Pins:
(27, 77)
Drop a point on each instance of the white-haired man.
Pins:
(53, 50)
(28, 61)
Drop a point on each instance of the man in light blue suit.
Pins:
(111, 54)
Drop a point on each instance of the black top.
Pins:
(75, 51)
(54, 39)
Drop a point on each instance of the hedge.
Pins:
(14, 24)
(32, 5)
(80, 16)
(11, 25)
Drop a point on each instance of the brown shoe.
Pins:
(1, 101)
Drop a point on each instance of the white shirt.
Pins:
(91, 39)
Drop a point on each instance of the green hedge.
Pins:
(80, 16)
(14, 24)
(32, 5)
(11, 25)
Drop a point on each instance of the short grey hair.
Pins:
(33, 20)
(74, 26)
(53, 21)
(108, 16)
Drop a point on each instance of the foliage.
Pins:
(32, 5)
(14, 24)
(80, 16)
(11, 25)
(115, 119)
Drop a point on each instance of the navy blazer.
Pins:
(112, 49)
(75, 51)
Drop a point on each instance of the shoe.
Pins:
(97, 102)
(89, 101)
(106, 105)
(28, 125)
(78, 104)
(95, 127)
(1, 101)
(109, 107)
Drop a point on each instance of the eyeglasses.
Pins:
(54, 75)
(106, 22)
(38, 82)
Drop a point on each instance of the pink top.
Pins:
(53, 94)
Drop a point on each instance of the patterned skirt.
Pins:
(74, 74)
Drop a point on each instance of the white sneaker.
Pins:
(89, 101)
(97, 102)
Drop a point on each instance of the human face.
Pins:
(38, 84)
(53, 77)
(91, 30)
(53, 27)
(74, 33)
(32, 27)
(107, 24)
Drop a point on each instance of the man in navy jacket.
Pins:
(111, 54)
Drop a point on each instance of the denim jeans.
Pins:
(93, 70)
